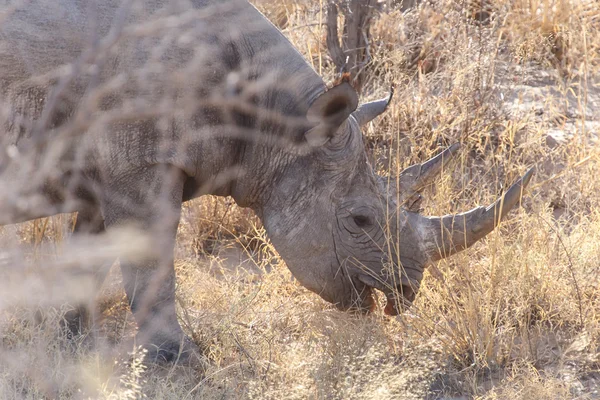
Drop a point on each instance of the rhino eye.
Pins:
(362, 221)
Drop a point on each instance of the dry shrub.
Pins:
(208, 221)
(561, 32)
(525, 382)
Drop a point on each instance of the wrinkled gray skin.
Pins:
(216, 101)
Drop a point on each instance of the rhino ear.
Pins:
(329, 111)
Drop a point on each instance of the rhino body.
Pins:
(121, 111)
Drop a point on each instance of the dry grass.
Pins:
(514, 317)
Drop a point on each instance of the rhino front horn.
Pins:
(452, 233)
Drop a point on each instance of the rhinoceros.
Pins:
(122, 111)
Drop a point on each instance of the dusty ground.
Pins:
(514, 317)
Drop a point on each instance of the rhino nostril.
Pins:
(399, 299)
(407, 293)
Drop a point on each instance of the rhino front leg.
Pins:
(150, 199)
(81, 318)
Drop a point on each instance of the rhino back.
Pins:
(39, 36)
(181, 52)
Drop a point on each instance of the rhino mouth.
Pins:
(398, 298)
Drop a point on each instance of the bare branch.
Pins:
(333, 41)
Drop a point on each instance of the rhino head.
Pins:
(344, 231)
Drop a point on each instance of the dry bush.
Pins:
(514, 317)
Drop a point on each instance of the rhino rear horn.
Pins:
(369, 111)
(415, 178)
(329, 111)
(450, 234)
